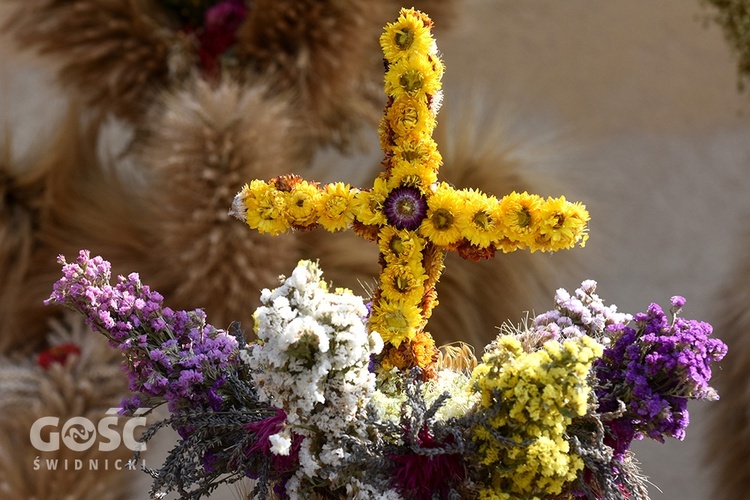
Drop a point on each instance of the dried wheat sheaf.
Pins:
(86, 385)
(56, 200)
(112, 53)
(204, 143)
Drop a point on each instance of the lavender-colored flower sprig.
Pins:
(651, 371)
(172, 356)
(582, 313)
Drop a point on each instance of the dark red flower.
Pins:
(219, 32)
(422, 476)
(57, 354)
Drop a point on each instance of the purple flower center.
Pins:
(405, 207)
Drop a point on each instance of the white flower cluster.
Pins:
(313, 362)
(583, 313)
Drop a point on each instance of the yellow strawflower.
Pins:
(303, 204)
(396, 320)
(368, 204)
(422, 152)
(519, 215)
(479, 221)
(335, 206)
(266, 208)
(416, 76)
(423, 350)
(410, 118)
(563, 224)
(410, 34)
(442, 225)
(403, 282)
(419, 175)
(399, 246)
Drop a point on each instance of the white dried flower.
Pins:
(281, 443)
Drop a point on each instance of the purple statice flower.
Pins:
(677, 303)
(582, 313)
(211, 461)
(647, 376)
(186, 369)
(171, 356)
(130, 405)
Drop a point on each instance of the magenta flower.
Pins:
(421, 476)
(282, 465)
(219, 32)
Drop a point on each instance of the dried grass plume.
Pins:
(205, 143)
(59, 199)
(111, 53)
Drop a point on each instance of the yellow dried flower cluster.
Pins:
(413, 218)
(530, 399)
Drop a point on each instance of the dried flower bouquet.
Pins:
(340, 396)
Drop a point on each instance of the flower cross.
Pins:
(412, 216)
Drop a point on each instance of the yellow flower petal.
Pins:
(519, 214)
(368, 205)
(442, 225)
(416, 175)
(416, 76)
(480, 218)
(423, 350)
(420, 151)
(403, 282)
(410, 117)
(400, 245)
(563, 225)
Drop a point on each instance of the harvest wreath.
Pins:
(340, 396)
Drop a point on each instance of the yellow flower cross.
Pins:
(413, 217)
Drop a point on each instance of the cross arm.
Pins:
(476, 225)
(290, 202)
